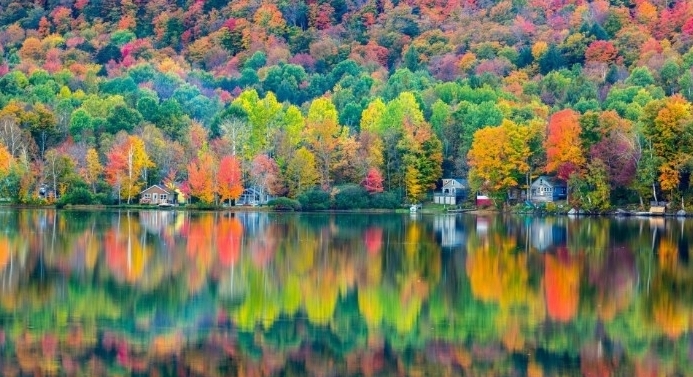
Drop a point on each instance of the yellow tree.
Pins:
(127, 166)
(421, 149)
(323, 134)
(370, 141)
(667, 124)
(411, 180)
(6, 161)
(498, 157)
(93, 169)
(301, 173)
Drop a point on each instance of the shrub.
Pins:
(284, 204)
(386, 200)
(351, 197)
(77, 195)
(314, 200)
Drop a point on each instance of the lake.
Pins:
(228, 294)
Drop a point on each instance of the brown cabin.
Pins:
(157, 195)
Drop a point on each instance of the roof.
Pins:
(164, 189)
(549, 180)
(459, 181)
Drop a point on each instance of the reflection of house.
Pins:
(156, 221)
(545, 235)
(453, 192)
(482, 224)
(450, 234)
(254, 195)
(548, 189)
(157, 195)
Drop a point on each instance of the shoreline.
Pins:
(618, 213)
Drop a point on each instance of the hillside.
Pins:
(112, 96)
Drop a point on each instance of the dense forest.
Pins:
(101, 98)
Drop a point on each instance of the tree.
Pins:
(127, 166)
(59, 169)
(93, 170)
(601, 51)
(201, 177)
(230, 180)
(414, 188)
(421, 149)
(323, 134)
(15, 139)
(563, 147)
(373, 183)
(499, 157)
(122, 118)
(264, 116)
(264, 173)
(237, 132)
(7, 162)
(81, 123)
(667, 124)
(301, 172)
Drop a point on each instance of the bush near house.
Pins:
(385, 200)
(351, 197)
(314, 200)
(284, 204)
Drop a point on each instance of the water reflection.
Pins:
(183, 293)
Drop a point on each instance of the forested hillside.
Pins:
(106, 97)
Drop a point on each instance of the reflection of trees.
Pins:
(226, 293)
(562, 285)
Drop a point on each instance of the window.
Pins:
(163, 197)
(146, 196)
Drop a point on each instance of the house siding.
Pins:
(157, 195)
(547, 189)
(453, 192)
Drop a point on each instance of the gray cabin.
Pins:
(548, 189)
(453, 192)
(254, 196)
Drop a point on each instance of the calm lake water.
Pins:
(221, 294)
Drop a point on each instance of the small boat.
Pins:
(413, 208)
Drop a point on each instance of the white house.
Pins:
(453, 192)
(548, 189)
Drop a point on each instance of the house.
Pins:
(453, 191)
(483, 200)
(254, 195)
(548, 189)
(158, 195)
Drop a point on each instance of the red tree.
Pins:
(373, 182)
(230, 179)
(601, 51)
(264, 172)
